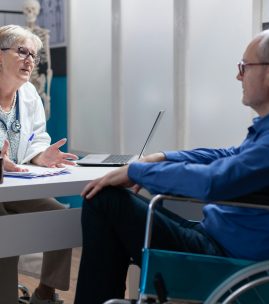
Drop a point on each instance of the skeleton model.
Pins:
(42, 74)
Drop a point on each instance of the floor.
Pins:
(67, 296)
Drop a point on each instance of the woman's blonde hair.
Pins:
(15, 34)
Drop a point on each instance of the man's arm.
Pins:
(224, 178)
(133, 176)
(200, 156)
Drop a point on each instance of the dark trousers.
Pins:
(113, 226)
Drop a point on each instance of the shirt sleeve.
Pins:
(222, 178)
(201, 155)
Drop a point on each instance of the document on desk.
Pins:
(36, 171)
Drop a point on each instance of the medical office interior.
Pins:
(116, 63)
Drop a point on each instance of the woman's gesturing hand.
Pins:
(52, 157)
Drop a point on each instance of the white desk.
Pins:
(43, 231)
(16, 189)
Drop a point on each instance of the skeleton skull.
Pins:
(31, 9)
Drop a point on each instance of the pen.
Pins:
(31, 137)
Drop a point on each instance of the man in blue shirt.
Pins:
(113, 218)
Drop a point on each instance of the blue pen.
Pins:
(31, 137)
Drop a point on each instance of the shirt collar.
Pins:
(260, 123)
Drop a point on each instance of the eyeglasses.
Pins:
(24, 53)
(242, 66)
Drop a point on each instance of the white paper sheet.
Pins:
(36, 171)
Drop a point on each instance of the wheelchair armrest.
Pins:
(255, 200)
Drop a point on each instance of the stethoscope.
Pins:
(15, 125)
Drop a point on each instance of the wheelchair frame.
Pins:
(241, 280)
(245, 279)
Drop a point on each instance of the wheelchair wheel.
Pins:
(120, 301)
(247, 286)
(25, 298)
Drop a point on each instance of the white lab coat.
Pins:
(56, 264)
(33, 122)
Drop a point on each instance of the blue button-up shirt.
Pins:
(219, 174)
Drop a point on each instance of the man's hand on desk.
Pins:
(52, 157)
(9, 165)
(153, 158)
(118, 177)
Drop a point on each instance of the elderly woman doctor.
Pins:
(23, 139)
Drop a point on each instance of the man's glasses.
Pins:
(242, 66)
(24, 53)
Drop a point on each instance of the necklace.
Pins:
(12, 107)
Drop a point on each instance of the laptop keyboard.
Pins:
(118, 159)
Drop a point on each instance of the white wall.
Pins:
(147, 72)
(14, 5)
(178, 55)
(90, 107)
(114, 103)
(218, 34)
(265, 11)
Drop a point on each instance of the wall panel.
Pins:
(139, 56)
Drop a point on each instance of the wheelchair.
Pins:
(179, 277)
(25, 294)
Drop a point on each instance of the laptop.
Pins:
(117, 160)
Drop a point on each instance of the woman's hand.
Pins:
(118, 177)
(8, 164)
(52, 157)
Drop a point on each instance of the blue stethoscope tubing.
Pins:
(16, 125)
